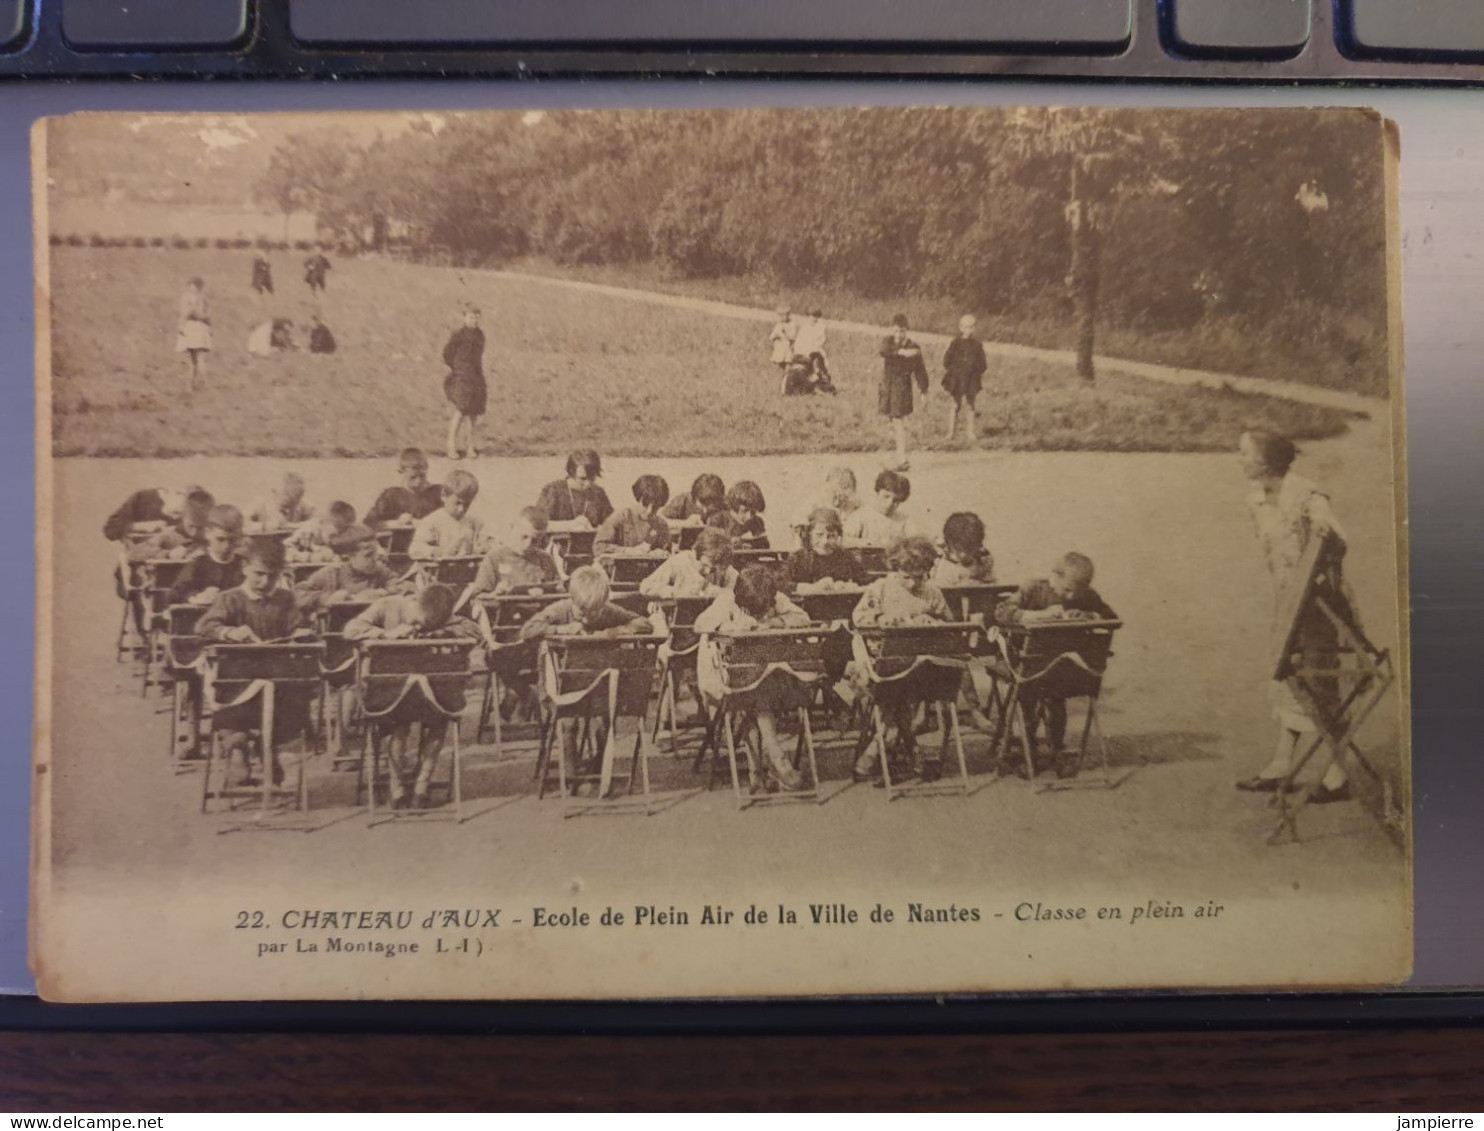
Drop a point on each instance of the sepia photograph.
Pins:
(729, 553)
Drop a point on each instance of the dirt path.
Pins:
(1172, 375)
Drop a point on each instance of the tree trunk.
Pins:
(1084, 274)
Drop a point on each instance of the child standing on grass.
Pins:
(428, 615)
(883, 522)
(637, 529)
(964, 364)
(781, 340)
(412, 499)
(193, 330)
(465, 386)
(901, 367)
(451, 531)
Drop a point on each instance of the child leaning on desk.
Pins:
(754, 604)
(824, 564)
(702, 571)
(451, 531)
(219, 566)
(518, 563)
(360, 573)
(427, 615)
(586, 611)
(637, 529)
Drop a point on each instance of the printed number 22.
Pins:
(249, 919)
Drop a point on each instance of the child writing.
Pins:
(181, 539)
(903, 597)
(755, 603)
(743, 518)
(219, 566)
(824, 564)
(410, 500)
(313, 540)
(518, 563)
(1066, 593)
(637, 529)
(578, 498)
(360, 574)
(451, 531)
(283, 508)
(428, 614)
(883, 522)
(707, 499)
(585, 612)
(702, 571)
(965, 561)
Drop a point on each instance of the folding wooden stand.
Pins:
(508, 659)
(182, 664)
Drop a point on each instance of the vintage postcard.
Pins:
(654, 554)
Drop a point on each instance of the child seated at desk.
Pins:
(451, 531)
(413, 499)
(903, 597)
(586, 611)
(578, 498)
(965, 561)
(639, 529)
(706, 500)
(427, 615)
(755, 603)
(517, 564)
(218, 567)
(283, 509)
(824, 565)
(883, 522)
(1065, 594)
(258, 612)
(314, 540)
(743, 518)
(147, 511)
(702, 571)
(182, 538)
(838, 495)
(360, 574)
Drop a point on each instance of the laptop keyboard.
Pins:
(1183, 40)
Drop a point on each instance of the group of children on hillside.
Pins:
(235, 569)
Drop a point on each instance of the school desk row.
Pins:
(587, 684)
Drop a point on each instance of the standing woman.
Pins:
(901, 366)
(193, 332)
(1288, 513)
(464, 386)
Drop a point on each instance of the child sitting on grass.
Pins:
(219, 566)
(258, 612)
(412, 499)
(743, 518)
(427, 615)
(824, 564)
(883, 522)
(965, 561)
(1066, 594)
(451, 531)
(755, 603)
(640, 529)
(903, 597)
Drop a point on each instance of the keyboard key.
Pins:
(1240, 27)
(12, 22)
(127, 24)
(1446, 28)
(1068, 26)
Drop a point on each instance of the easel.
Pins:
(390, 673)
(1053, 660)
(595, 678)
(679, 660)
(507, 656)
(254, 673)
(338, 674)
(182, 652)
(910, 665)
(774, 670)
(157, 577)
(1336, 651)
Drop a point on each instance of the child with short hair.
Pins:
(428, 614)
(903, 597)
(412, 499)
(838, 495)
(219, 566)
(314, 540)
(754, 603)
(585, 612)
(882, 523)
(965, 561)
(147, 511)
(809, 345)
(638, 529)
(781, 338)
(743, 518)
(1066, 593)
(451, 531)
(283, 508)
(464, 386)
(258, 612)
(702, 571)
(706, 499)
(578, 497)
(360, 573)
(824, 564)
(193, 328)
(518, 563)
(964, 364)
(183, 538)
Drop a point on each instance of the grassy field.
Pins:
(566, 368)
